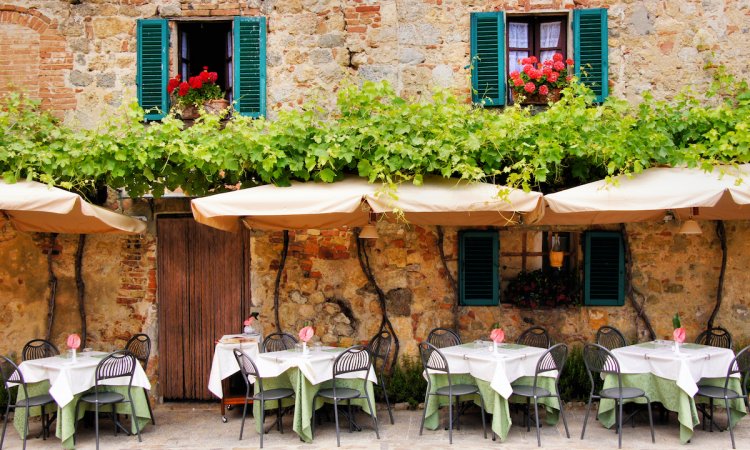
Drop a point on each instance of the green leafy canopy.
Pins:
(374, 133)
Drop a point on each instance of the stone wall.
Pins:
(87, 63)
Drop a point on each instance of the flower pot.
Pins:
(189, 112)
(538, 99)
(216, 106)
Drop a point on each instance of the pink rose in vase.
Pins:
(679, 335)
(497, 335)
(306, 333)
(74, 341)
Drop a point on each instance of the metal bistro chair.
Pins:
(352, 360)
(39, 348)
(115, 365)
(599, 360)
(434, 361)
(12, 376)
(739, 365)
(443, 337)
(380, 349)
(140, 346)
(250, 371)
(535, 337)
(715, 337)
(276, 342)
(551, 360)
(610, 338)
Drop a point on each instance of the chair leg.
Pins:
(96, 423)
(349, 411)
(536, 422)
(619, 423)
(133, 417)
(424, 413)
(528, 414)
(25, 427)
(387, 402)
(336, 416)
(5, 424)
(278, 417)
(729, 420)
(484, 424)
(244, 414)
(711, 415)
(562, 414)
(450, 419)
(262, 420)
(650, 420)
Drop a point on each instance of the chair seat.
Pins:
(531, 391)
(103, 398)
(717, 392)
(627, 392)
(341, 392)
(458, 389)
(274, 394)
(37, 400)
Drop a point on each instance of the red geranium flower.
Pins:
(173, 84)
(212, 77)
(184, 88)
(517, 82)
(557, 57)
(195, 82)
(515, 74)
(527, 68)
(529, 87)
(525, 61)
(533, 60)
(569, 62)
(203, 76)
(559, 65)
(553, 76)
(544, 90)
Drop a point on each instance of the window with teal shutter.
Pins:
(488, 58)
(153, 45)
(591, 50)
(604, 269)
(250, 66)
(478, 278)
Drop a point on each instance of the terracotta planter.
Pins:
(189, 112)
(539, 99)
(217, 106)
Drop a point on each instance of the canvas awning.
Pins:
(35, 207)
(648, 196)
(348, 203)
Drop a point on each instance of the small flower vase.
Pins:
(73, 357)
(494, 346)
(305, 349)
(247, 330)
(676, 347)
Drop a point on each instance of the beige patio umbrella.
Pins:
(35, 207)
(350, 201)
(648, 196)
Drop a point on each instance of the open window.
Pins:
(206, 44)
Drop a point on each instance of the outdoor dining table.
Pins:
(66, 380)
(306, 374)
(224, 365)
(494, 373)
(672, 379)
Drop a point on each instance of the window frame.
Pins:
(496, 277)
(535, 22)
(587, 300)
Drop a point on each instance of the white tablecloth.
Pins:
(685, 368)
(224, 363)
(68, 378)
(500, 369)
(316, 366)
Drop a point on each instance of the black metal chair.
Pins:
(715, 337)
(434, 361)
(551, 360)
(115, 365)
(38, 348)
(599, 360)
(380, 349)
(250, 370)
(443, 337)
(356, 359)
(276, 342)
(610, 338)
(12, 376)
(535, 337)
(739, 365)
(140, 346)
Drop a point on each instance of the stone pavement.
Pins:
(199, 426)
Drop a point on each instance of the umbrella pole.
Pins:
(631, 291)
(449, 275)
(282, 263)
(722, 235)
(81, 286)
(52, 283)
(364, 263)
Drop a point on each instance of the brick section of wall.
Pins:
(362, 16)
(33, 56)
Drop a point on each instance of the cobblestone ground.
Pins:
(199, 426)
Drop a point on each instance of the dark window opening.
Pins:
(540, 36)
(206, 44)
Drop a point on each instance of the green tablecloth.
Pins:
(304, 392)
(672, 397)
(65, 423)
(494, 403)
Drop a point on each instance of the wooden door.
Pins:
(204, 292)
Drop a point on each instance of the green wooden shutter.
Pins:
(478, 268)
(153, 70)
(592, 49)
(604, 269)
(250, 66)
(488, 58)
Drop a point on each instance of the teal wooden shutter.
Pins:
(592, 49)
(153, 70)
(250, 66)
(488, 58)
(478, 268)
(604, 269)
